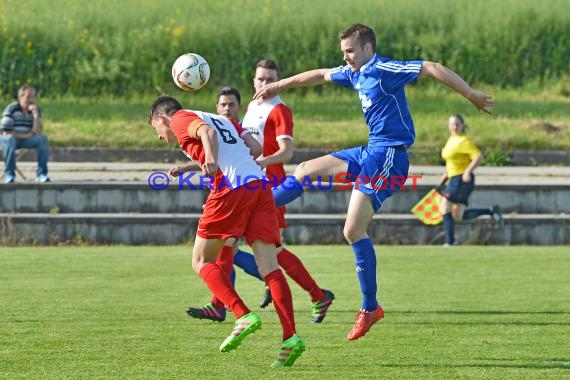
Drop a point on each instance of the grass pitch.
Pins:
(118, 312)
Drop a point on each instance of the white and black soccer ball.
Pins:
(190, 72)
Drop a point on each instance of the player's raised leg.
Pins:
(293, 186)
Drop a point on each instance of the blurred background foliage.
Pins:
(108, 47)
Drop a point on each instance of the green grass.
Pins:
(118, 312)
(331, 119)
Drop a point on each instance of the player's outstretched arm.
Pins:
(481, 101)
(304, 79)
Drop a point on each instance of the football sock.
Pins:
(476, 212)
(366, 272)
(449, 226)
(295, 269)
(283, 301)
(225, 261)
(219, 284)
(288, 191)
(246, 261)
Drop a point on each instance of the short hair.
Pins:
(268, 64)
(230, 91)
(363, 34)
(24, 88)
(166, 105)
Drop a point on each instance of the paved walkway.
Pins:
(140, 171)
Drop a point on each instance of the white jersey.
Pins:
(270, 122)
(256, 120)
(236, 165)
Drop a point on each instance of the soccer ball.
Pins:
(190, 72)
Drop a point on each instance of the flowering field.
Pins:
(83, 47)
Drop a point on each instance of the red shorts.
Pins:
(281, 217)
(241, 212)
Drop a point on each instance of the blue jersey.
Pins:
(380, 84)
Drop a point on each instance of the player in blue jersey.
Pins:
(380, 85)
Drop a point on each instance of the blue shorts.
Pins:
(376, 171)
(458, 191)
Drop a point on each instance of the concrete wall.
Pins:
(132, 197)
(303, 229)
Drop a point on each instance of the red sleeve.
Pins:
(179, 123)
(282, 118)
(242, 132)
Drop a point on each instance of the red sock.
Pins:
(295, 269)
(219, 283)
(282, 300)
(225, 261)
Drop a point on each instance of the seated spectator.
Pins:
(22, 128)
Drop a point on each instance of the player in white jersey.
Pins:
(271, 124)
(239, 204)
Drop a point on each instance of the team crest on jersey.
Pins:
(364, 101)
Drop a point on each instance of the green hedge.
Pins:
(82, 48)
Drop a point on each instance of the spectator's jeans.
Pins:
(9, 144)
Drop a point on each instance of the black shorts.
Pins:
(458, 191)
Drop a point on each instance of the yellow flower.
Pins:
(178, 32)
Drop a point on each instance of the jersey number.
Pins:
(226, 134)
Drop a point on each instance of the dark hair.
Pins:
(163, 105)
(364, 34)
(230, 91)
(268, 64)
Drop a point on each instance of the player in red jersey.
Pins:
(271, 124)
(239, 204)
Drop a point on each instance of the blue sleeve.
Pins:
(396, 74)
(342, 76)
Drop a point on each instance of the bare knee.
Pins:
(265, 257)
(457, 215)
(198, 261)
(457, 212)
(301, 170)
(352, 233)
(197, 264)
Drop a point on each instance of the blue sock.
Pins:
(233, 277)
(288, 191)
(449, 226)
(476, 212)
(246, 261)
(366, 272)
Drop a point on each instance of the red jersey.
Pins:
(269, 122)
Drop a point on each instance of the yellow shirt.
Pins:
(458, 153)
